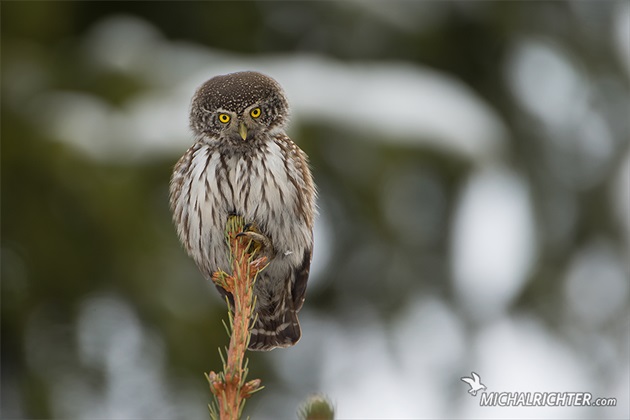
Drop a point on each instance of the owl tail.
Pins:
(278, 329)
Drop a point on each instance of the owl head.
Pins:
(238, 108)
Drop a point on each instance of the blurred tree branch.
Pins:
(229, 387)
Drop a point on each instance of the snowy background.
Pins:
(474, 175)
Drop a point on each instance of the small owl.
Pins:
(242, 163)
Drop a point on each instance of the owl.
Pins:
(242, 163)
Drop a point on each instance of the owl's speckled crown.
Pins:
(237, 91)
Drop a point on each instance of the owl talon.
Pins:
(261, 244)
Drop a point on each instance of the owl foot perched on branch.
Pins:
(261, 244)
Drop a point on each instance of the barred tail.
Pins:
(280, 329)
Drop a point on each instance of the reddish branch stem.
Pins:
(230, 387)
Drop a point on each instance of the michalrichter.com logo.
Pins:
(475, 384)
(533, 399)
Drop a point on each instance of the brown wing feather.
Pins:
(298, 290)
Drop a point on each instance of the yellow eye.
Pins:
(255, 113)
(224, 118)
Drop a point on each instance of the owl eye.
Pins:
(224, 118)
(255, 113)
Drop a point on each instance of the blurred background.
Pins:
(474, 175)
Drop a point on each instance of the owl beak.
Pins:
(242, 130)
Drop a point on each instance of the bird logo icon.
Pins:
(475, 384)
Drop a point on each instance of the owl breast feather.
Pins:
(262, 187)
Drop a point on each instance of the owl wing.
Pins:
(298, 291)
(308, 195)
